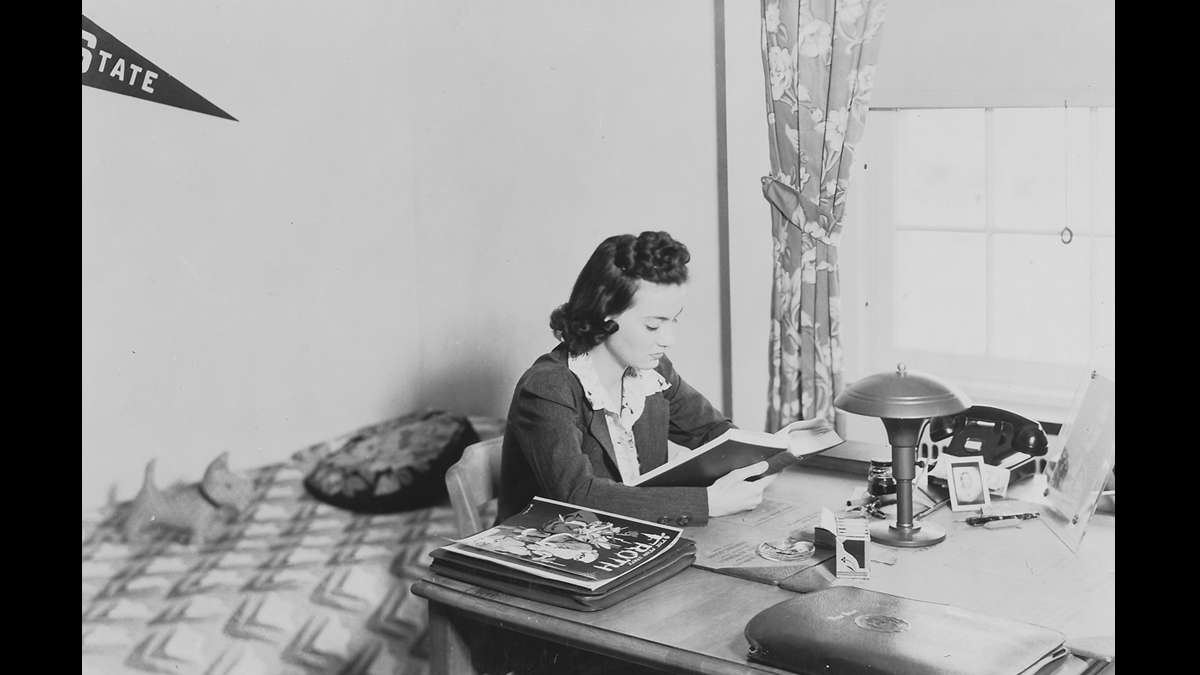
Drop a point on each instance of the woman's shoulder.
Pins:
(550, 374)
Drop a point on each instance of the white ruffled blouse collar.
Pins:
(639, 384)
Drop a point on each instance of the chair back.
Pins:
(472, 482)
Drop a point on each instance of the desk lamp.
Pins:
(904, 400)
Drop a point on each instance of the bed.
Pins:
(290, 585)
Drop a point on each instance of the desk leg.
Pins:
(449, 654)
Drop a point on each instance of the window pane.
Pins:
(939, 292)
(1104, 319)
(1080, 167)
(1041, 298)
(1030, 167)
(939, 169)
(1106, 170)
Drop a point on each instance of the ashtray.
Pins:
(787, 549)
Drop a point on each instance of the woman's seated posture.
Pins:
(598, 410)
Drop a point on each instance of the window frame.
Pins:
(1041, 390)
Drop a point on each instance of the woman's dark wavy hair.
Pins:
(607, 283)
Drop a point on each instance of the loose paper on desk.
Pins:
(732, 541)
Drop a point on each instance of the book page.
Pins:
(805, 439)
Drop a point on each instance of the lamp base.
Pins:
(926, 534)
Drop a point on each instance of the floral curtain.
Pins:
(819, 61)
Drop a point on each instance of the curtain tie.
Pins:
(788, 202)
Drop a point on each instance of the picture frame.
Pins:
(967, 484)
(997, 479)
(1082, 463)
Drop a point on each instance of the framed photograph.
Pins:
(1084, 461)
(968, 488)
(997, 478)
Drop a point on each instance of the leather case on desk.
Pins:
(499, 578)
(854, 631)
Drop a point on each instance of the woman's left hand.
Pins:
(795, 445)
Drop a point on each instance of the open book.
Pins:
(577, 547)
(737, 448)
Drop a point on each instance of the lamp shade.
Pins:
(904, 401)
(902, 395)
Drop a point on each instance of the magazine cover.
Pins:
(580, 546)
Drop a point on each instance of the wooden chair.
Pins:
(472, 482)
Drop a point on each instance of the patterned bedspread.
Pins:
(290, 585)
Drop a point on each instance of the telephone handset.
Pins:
(990, 432)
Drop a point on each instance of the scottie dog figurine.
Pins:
(191, 508)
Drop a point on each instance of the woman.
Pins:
(598, 409)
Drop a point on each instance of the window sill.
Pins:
(849, 457)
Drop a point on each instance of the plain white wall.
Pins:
(542, 128)
(933, 53)
(410, 189)
(245, 284)
(976, 53)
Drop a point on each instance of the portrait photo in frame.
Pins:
(1083, 461)
(965, 480)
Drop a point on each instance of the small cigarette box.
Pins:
(851, 544)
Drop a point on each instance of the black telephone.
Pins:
(991, 432)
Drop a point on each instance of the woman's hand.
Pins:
(733, 493)
(801, 447)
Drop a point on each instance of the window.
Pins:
(985, 247)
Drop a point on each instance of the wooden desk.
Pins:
(694, 621)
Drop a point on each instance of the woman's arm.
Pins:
(693, 420)
(543, 423)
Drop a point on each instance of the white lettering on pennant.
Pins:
(90, 40)
(118, 66)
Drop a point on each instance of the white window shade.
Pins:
(1012, 301)
(985, 53)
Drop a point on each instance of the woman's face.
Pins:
(648, 326)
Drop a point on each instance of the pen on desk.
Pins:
(927, 495)
(980, 520)
(931, 508)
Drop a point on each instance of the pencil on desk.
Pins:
(931, 508)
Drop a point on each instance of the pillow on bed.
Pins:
(393, 466)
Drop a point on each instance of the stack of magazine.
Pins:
(568, 555)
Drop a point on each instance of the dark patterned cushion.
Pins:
(393, 466)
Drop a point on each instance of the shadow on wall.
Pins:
(468, 387)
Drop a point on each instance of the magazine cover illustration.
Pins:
(583, 543)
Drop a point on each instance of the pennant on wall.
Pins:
(110, 65)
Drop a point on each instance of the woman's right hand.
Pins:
(732, 493)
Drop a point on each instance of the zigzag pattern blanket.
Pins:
(290, 585)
